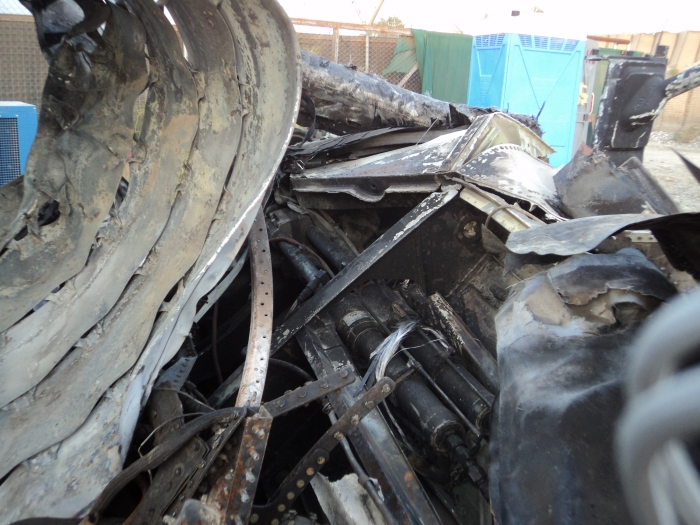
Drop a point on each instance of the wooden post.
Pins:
(336, 43)
(366, 52)
(408, 75)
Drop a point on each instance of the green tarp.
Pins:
(404, 56)
(443, 61)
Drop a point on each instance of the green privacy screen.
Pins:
(443, 62)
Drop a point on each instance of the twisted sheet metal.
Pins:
(196, 178)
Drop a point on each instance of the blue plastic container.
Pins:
(523, 73)
(18, 125)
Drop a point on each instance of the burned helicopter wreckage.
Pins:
(416, 320)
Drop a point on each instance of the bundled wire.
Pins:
(386, 351)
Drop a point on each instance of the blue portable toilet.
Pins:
(18, 125)
(527, 74)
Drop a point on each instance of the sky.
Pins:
(570, 18)
(566, 18)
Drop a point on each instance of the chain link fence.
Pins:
(371, 53)
(23, 68)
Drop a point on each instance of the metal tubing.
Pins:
(338, 258)
(300, 260)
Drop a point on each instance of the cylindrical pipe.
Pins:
(303, 264)
(440, 427)
(361, 333)
(463, 389)
(468, 401)
(332, 252)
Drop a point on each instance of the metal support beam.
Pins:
(352, 27)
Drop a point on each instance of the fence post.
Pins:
(336, 43)
(366, 52)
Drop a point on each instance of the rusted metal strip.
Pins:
(233, 493)
(295, 483)
(172, 476)
(311, 392)
(255, 368)
(218, 443)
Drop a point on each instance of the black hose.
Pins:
(292, 368)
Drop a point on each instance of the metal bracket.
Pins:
(354, 271)
(234, 491)
(221, 437)
(310, 392)
(172, 476)
(294, 484)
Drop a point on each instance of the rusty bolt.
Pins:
(321, 460)
(281, 508)
(310, 472)
(339, 436)
(300, 483)
(470, 230)
(355, 420)
(369, 404)
(290, 496)
(386, 389)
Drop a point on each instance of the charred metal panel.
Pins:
(593, 185)
(511, 171)
(561, 350)
(420, 168)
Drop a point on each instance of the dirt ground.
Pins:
(672, 174)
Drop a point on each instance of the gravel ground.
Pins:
(669, 170)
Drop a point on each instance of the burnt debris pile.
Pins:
(295, 293)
